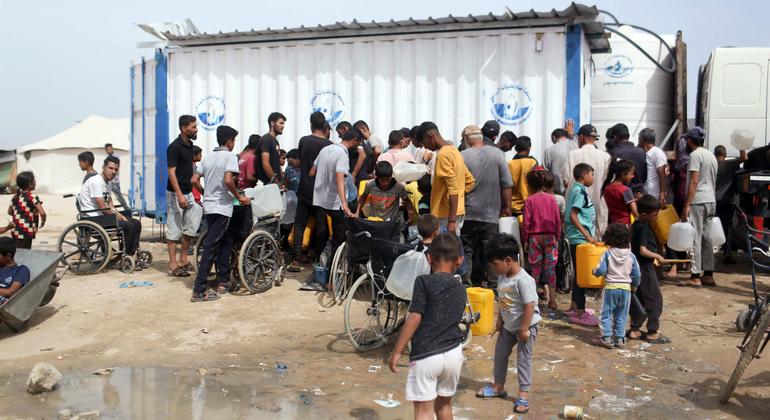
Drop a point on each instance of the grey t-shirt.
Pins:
(488, 166)
(332, 160)
(514, 293)
(555, 160)
(704, 162)
(216, 197)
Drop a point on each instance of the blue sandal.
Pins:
(521, 402)
(489, 392)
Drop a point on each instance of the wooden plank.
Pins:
(680, 90)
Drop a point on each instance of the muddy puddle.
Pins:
(163, 393)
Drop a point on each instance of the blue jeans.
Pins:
(615, 312)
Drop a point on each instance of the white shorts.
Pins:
(434, 376)
(182, 221)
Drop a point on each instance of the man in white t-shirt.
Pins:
(220, 170)
(330, 170)
(655, 185)
(96, 200)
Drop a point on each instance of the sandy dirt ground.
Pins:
(176, 359)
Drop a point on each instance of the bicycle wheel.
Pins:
(747, 354)
(339, 274)
(366, 314)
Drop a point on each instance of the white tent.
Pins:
(54, 160)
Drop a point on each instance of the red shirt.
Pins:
(541, 216)
(618, 197)
(247, 168)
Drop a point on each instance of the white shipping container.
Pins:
(527, 71)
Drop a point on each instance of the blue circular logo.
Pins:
(511, 104)
(618, 66)
(330, 104)
(211, 112)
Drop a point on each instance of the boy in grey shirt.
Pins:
(516, 322)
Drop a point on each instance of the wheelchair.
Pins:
(256, 262)
(93, 242)
(372, 313)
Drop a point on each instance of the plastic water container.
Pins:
(662, 225)
(406, 269)
(587, 258)
(289, 210)
(406, 172)
(265, 200)
(681, 236)
(713, 231)
(483, 302)
(742, 139)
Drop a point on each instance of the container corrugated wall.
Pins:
(143, 156)
(452, 79)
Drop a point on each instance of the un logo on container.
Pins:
(618, 66)
(330, 104)
(511, 104)
(211, 112)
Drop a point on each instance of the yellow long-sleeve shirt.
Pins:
(451, 177)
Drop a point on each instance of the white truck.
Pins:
(733, 95)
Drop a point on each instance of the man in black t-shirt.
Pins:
(268, 160)
(725, 190)
(183, 216)
(309, 147)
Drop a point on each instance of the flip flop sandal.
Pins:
(187, 267)
(689, 284)
(178, 272)
(489, 392)
(521, 402)
(662, 339)
(641, 336)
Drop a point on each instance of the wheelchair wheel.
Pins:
(85, 247)
(340, 274)
(127, 264)
(366, 314)
(260, 262)
(144, 258)
(748, 353)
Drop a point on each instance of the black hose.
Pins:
(622, 35)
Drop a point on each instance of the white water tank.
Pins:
(629, 88)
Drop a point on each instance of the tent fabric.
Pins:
(90, 134)
(54, 160)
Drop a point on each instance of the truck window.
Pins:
(741, 84)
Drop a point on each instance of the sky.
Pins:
(64, 60)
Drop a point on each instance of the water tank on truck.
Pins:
(629, 88)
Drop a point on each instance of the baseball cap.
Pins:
(588, 130)
(696, 133)
(491, 128)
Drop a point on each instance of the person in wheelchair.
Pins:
(95, 201)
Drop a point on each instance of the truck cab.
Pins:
(733, 95)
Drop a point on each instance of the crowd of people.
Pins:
(575, 191)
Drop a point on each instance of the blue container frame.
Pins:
(574, 68)
(161, 134)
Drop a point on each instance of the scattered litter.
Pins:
(202, 371)
(616, 405)
(374, 368)
(85, 312)
(48, 349)
(305, 400)
(477, 348)
(317, 391)
(646, 377)
(554, 361)
(59, 357)
(232, 355)
(513, 370)
(389, 403)
(133, 283)
(103, 372)
(216, 372)
(644, 346)
(225, 391)
(233, 366)
(573, 412)
(262, 364)
(636, 388)
(205, 330)
(348, 368)
(684, 369)
(280, 369)
(667, 350)
(568, 346)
